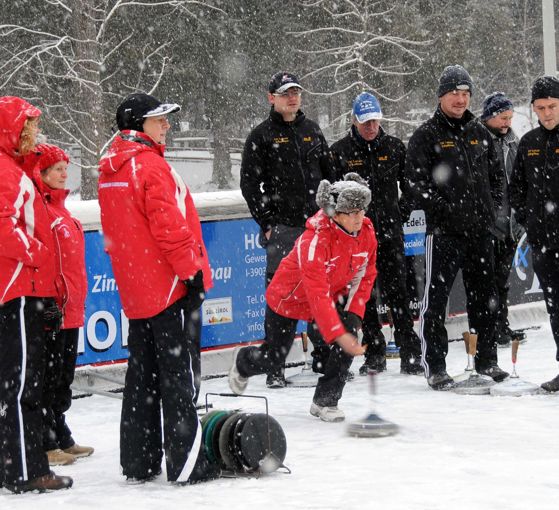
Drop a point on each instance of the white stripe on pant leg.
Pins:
(195, 450)
(23, 338)
(425, 301)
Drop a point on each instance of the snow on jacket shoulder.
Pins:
(26, 248)
(152, 230)
(325, 265)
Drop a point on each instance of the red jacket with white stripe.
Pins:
(26, 244)
(152, 230)
(326, 264)
(70, 252)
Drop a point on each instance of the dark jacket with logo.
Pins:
(282, 165)
(453, 173)
(534, 187)
(381, 163)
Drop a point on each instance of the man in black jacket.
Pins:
(534, 191)
(496, 115)
(380, 158)
(284, 159)
(453, 173)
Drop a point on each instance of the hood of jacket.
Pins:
(14, 111)
(127, 145)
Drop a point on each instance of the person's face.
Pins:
(455, 103)
(351, 221)
(368, 130)
(501, 123)
(156, 128)
(547, 111)
(288, 103)
(55, 176)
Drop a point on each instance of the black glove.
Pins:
(52, 316)
(196, 292)
(352, 322)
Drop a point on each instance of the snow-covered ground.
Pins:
(453, 452)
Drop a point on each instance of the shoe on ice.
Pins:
(326, 413)
(138, 480)
(411, 365)
(79, 451)
(50, 482)
(276, 381)
(551, 386)
(376, 363)
(237, 382)
(58, 457)
(441, 381)
(495, 372)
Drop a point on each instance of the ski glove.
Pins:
(196, 292)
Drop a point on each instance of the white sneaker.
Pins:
(331, 414)
(237, 382)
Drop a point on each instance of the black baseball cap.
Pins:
(282, 81)
(133, 111)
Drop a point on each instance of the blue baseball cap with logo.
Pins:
(366, 107)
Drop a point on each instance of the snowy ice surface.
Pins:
(453, 452)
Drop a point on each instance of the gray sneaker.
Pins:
(237, 382)
(330, 414)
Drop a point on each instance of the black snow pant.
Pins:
(163, 375)
(392, 273)
(546, 266)
(445, 255)
(503, 251)
(280, 332)
(62, 351)
(22, 369)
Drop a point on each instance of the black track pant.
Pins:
(504, 254)
(280, 332)
(546, 265)
(444, 256)
(22, 368)
(163, 374)
(62, 351)
(392, 271)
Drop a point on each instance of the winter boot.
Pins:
(551, 386)
(276, 381)
(326, 413)
(494, 371)
(376, 363)
(79, 451)
(58, 457)
(441, 381)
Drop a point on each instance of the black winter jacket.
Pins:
(453, 173)
(282, 165)
(534, 187)
(381, 163)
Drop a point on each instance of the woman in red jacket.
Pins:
(327, 277)
(27, 289)
(49, 165)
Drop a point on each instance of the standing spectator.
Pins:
(497, 113)
(48, 165)
(154, 239)
(284, 159)
(534, 192)
(380, 159)
(453, 173)
(327, 277)
(27, 289)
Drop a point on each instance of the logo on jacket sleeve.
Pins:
(352, 163)
(281, 139)
(307, 139)
(447, 144)
(533, 152)
(383, 158)
(474, 142)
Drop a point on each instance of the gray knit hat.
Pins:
(344, 196)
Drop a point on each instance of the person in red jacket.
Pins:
(327, 277)
(27, 289)
(47, 165)
(154, 239)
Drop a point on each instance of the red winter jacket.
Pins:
(152, 230)
(325, 264)
(26, 244)
(70, 251)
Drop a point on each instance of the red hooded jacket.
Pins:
(26, 244)
(325, 264)
(71, 279)
(152, 230)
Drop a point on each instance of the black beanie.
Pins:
(494, 104)
(454, 78)
(544, 87)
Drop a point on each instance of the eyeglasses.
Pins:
(292, 92)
